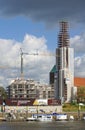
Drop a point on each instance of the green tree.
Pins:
(3, 94)
(81, 94)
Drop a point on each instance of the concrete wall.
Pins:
(33, 109)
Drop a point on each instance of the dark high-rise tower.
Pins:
(64, 65)
(63, 37)
(63, 41)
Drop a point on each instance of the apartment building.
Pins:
(29, 89)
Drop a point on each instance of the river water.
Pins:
(58, 125)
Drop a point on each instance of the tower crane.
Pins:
(39, 54)
(24, 53)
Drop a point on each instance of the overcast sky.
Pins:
(33, 25)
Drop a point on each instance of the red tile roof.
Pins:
(79, 82)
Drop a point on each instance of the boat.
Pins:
(42, 117)
(31, 119)
(48, 117)
(60, 116)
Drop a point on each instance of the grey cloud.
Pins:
(48, 11)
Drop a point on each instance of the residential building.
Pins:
(29, 89)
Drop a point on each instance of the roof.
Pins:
(53, 70)
(79, 82)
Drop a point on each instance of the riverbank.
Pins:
(21, 113)
(23, 116)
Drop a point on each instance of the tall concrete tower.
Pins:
(64, 80)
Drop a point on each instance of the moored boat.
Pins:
(45, 117)
(31, 119)
(40, 117)
(60, 116)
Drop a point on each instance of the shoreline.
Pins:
(22, 116)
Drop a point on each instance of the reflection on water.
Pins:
(58, 125)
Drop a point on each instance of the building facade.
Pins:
(64, 77)
(29, 89)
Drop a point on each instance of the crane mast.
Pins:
(24, 53)
(21, 63)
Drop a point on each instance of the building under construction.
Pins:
(64, 76)
(29, 89)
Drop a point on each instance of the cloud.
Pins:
(48, 11)
(78, 43)
(33, 43)
(80, 66)
(35, 66)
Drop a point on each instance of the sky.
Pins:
(33, 25)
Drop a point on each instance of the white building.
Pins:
(29, 89)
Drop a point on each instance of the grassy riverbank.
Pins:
(73, 108)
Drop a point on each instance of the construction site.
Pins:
(28, 95)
